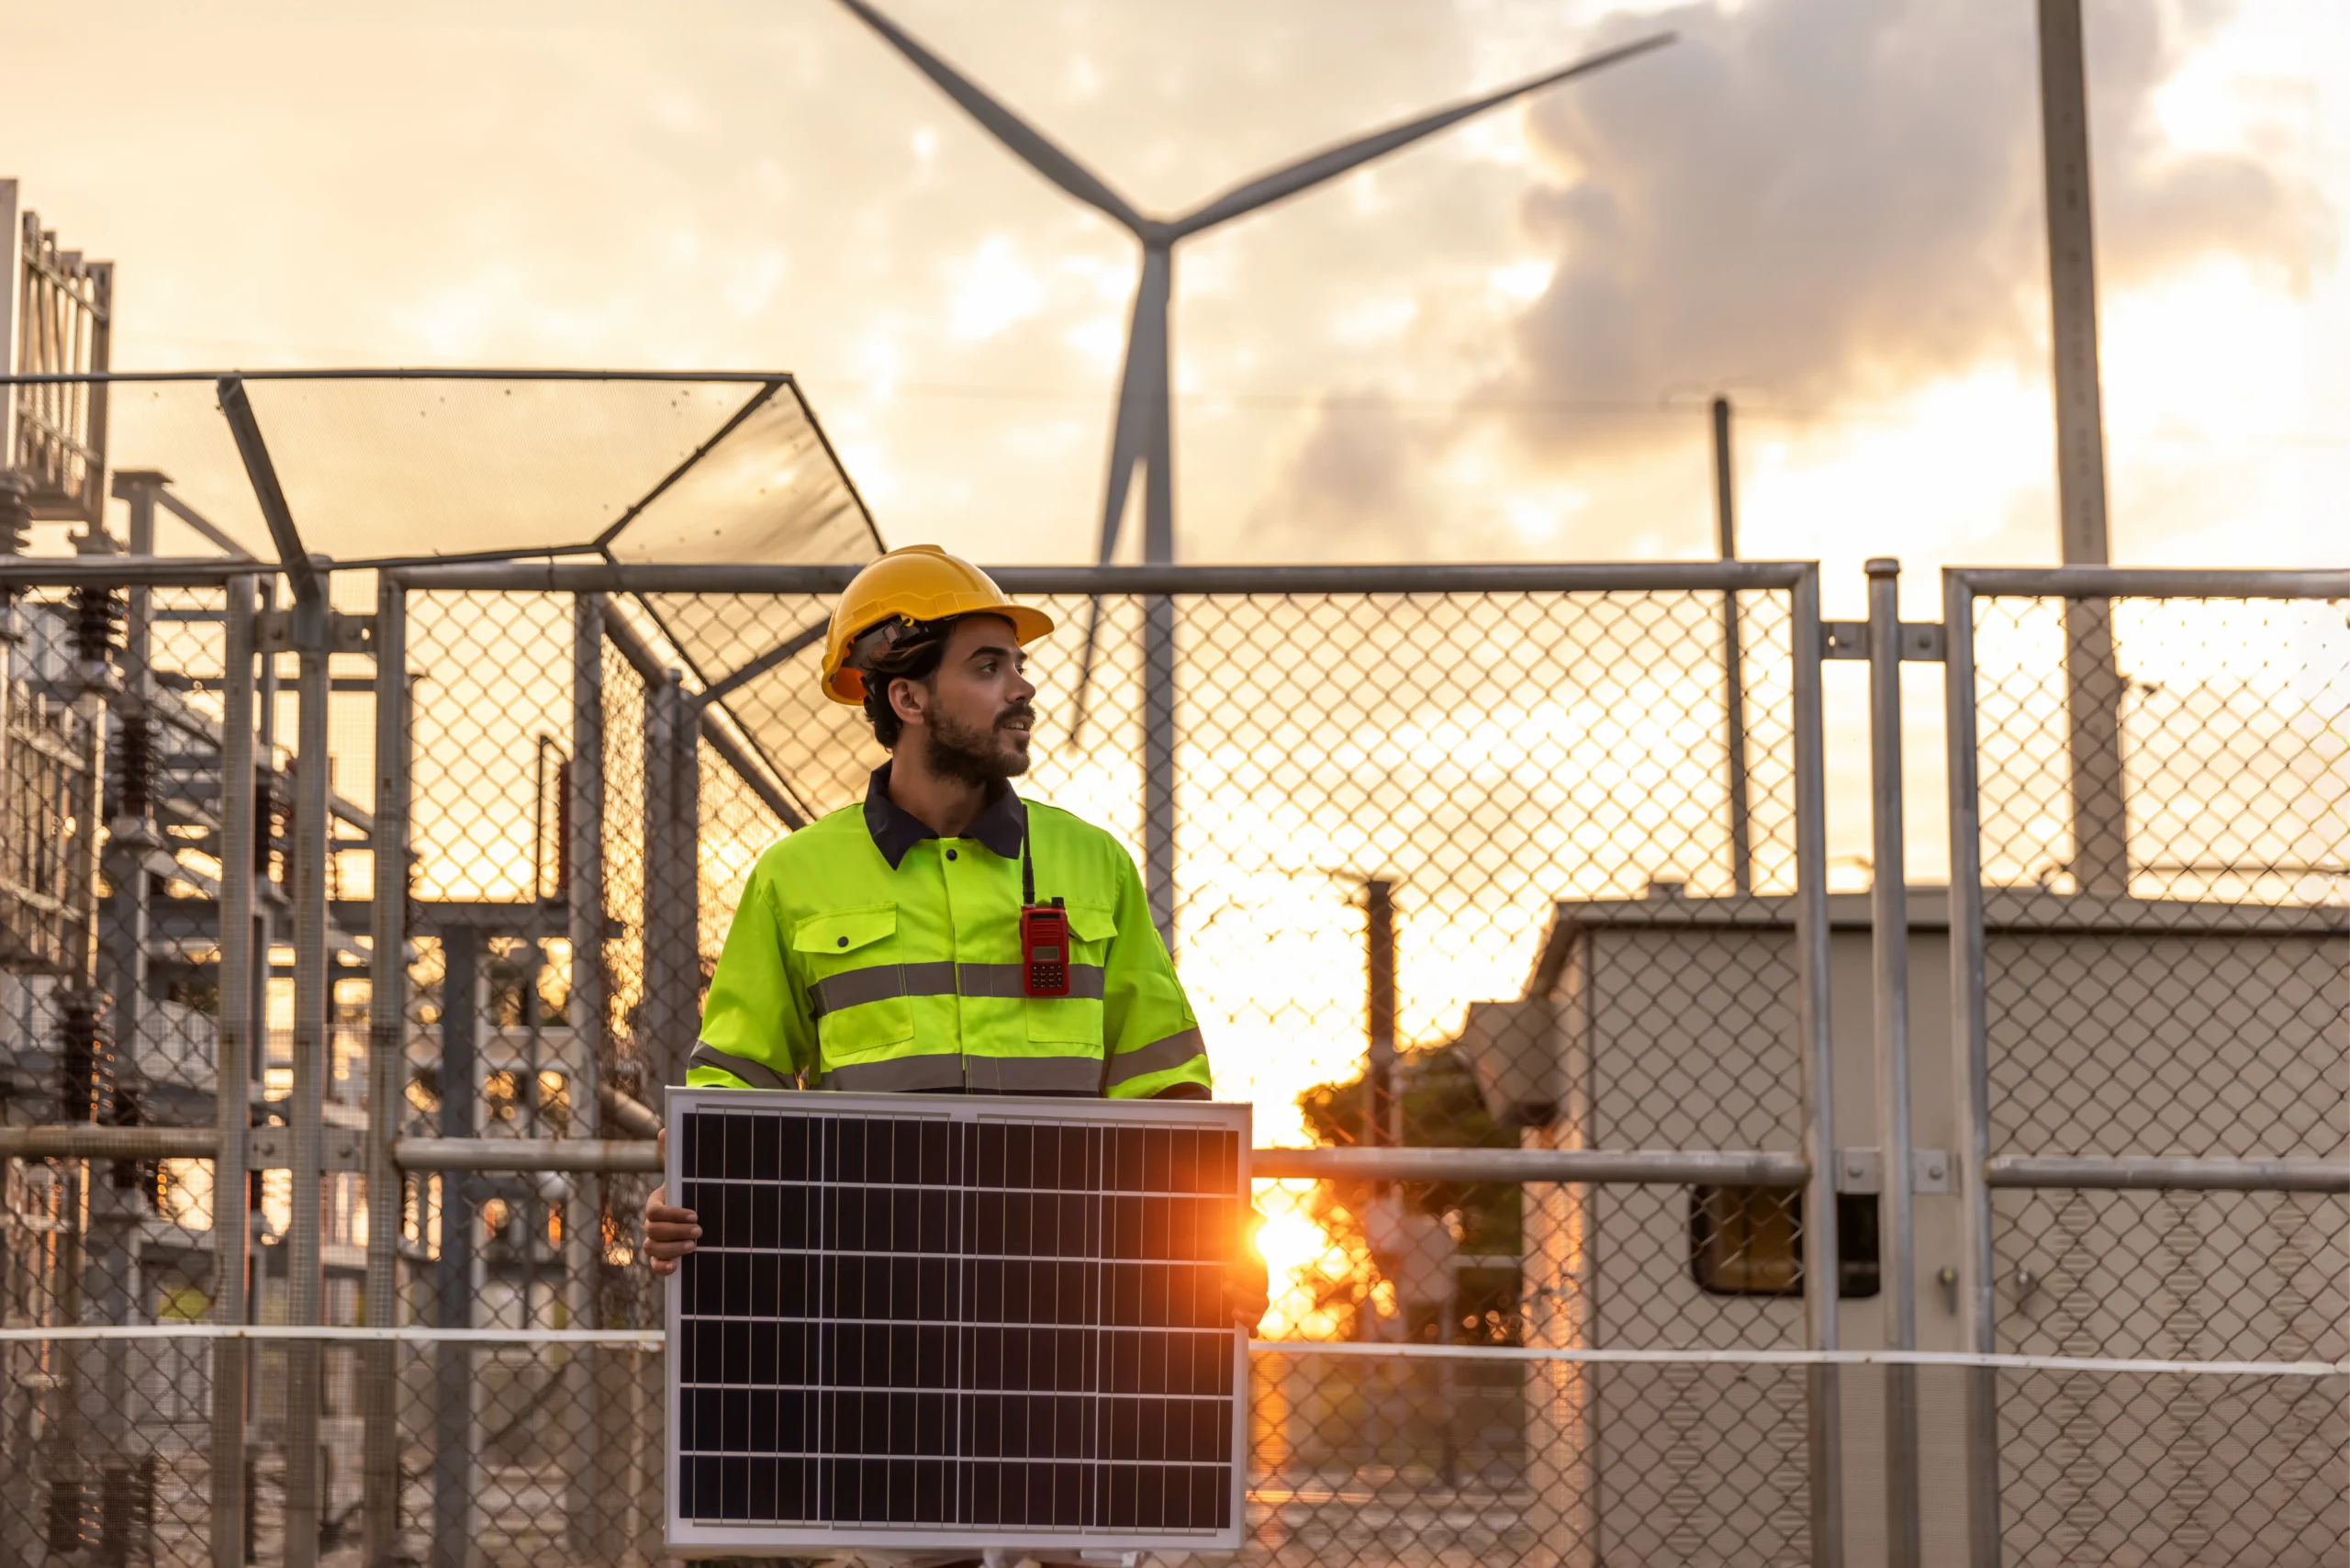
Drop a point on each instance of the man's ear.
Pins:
(906, 699)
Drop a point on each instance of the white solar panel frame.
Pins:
(752, 1540)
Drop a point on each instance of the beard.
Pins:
(970, 754)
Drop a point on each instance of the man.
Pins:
(878, 948)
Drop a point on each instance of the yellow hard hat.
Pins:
(920, 582)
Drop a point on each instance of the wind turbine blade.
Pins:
(1145, 374)
(1004, 125)
(1327, 164)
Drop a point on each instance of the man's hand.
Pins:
(1247, 1282)
(669, 1231)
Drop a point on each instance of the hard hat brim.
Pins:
(847, 685)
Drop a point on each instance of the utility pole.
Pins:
(1383, 1128)
(2092, 679)
(1741, 845)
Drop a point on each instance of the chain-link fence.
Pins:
(1514, 872)
(2160, 808)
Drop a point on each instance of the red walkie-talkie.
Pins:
(1044, 949)
(1044, 935)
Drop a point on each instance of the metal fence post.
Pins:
(387, 1075)
(1970, 1057)
(232, 1073)
(1820, 1247)
(597, 1474)
(1889, 951)
(1158, 801)
(672, 891)
(453, 1283)
(313, 987)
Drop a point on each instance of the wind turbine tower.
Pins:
(1143, 432)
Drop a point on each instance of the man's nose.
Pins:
(1022, 689)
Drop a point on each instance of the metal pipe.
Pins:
(2148, 582)
(232, 1073)
(1820, 1274)
(2162, 1174)
(123, 571)
(1644, 1167)
(1741, 837)
(387, 1076)
(1970, 1060)
(313, 982)
(627, 1114)
(1889, 952)
(1531, 577)
(80, 1140)
(1666, 1168)
(608, 1156)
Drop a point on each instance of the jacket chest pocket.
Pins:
(1076, 1019)
(857, 980)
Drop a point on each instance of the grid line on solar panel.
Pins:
(930, 1322)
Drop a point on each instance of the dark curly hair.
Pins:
(898, 649)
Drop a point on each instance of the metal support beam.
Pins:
(386, 1080)
(313, 987)
(1889, 951)
(453, 1398)
(1971, 1085)
(1817, 1055)
(597, 1474)
(310, 585)
(232, 1069)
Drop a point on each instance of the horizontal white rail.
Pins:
(654, 1340)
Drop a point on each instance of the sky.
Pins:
(1495, 345)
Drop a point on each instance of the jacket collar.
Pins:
(1000, 825)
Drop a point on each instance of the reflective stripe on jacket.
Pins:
(841, 973)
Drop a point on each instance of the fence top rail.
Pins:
(2148, 582)
(397, 373)
(129, 571)
(1402, 578)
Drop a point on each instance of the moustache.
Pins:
(1017, 710)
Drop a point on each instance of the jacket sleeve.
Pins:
(1148, 1033)
(756, 1028)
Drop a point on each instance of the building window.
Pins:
(1749, 1241)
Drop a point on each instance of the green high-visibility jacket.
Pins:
(866, 954)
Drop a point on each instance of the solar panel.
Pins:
(931, 1323)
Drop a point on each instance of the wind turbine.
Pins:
(1144, 430)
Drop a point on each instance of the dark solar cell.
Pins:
(1000, 1320)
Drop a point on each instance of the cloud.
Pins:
(1360, 485)
(1841, 199)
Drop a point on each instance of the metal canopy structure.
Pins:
(421, 466)
(434, 465)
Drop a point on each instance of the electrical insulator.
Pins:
(98, 615)
(134, 765)
(85, 1063)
